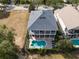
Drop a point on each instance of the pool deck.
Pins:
(75, 42)
(48, 44)
(76, 46)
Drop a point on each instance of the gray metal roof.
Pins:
(42, 20)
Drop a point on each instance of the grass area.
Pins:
(18, 21)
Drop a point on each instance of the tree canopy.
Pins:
(55, 3)
(7, 47)
(65, 45)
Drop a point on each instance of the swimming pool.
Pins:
(75, 41)
(38, 44)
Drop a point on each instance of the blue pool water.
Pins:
(38, 43)
(75, 41)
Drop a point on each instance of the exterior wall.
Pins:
(74, 33)
(40, 28)
(41, 34)
(47, 36)
(64, 29)
(62, 25)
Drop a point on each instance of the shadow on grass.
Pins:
(4, 14)
(75, 53)
(69, 56)
(72, 55)
(44, 52)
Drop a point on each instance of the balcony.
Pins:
(36, 32)
(52, 32)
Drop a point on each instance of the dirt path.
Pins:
(18, 21)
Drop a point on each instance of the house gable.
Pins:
(46, 21)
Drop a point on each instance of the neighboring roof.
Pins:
(69, 15)
(37, 23)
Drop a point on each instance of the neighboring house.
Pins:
(42, 29)
(68, 18)
(65, 0)
(2, 7)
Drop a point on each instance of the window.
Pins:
(41, 32)
(52, 32)
(42, 17)
(51, 36)
(41, 36)
(71, 31)
(46, 36)
(35, 31)
(76, 31)
(47, 32)
(36, 36)
(33, 35)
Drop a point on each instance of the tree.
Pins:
(4, 1)
(55, 3)
(26, 46)
(22, 1)
(44, 2)
(31, 7)
(74, 3)
(27, 2)
(7, 47)
(17, 2)
(65, 45)
(58, 36)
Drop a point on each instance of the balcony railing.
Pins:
(42, 32)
